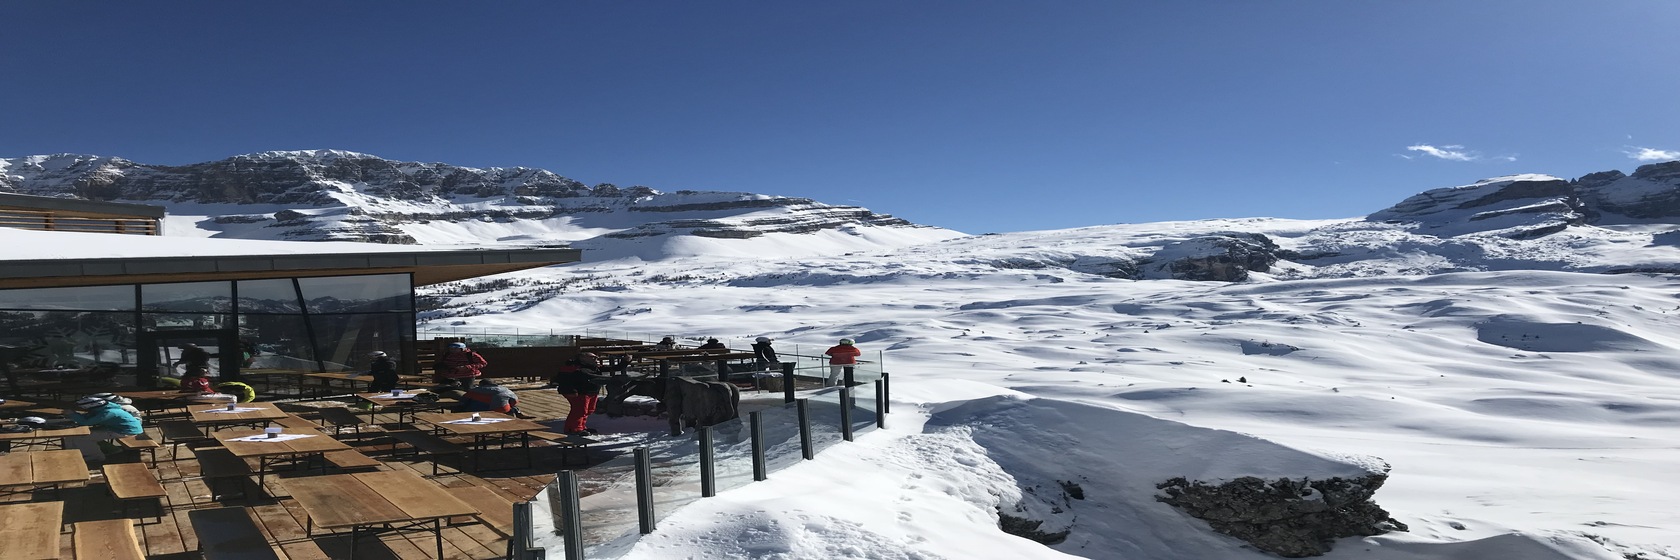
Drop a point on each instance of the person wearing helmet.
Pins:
(384, 372)
(840, 358)
(122, 402)
(713, 344)
(579, 382)
(459, 365)
(764, 356)
(666, 343)
(106, 422)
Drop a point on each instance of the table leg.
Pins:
(355, 531)
(525, 442)
(438, 530)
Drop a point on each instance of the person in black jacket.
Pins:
(384, 372)
(713, 344)
(764, 356)
(579, 382)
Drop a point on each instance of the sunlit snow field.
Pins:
(1546, 403)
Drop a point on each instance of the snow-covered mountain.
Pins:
(330, 195)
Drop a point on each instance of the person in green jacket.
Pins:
(106, 421)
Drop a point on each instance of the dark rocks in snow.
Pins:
(1226, 257)
(1293, 518)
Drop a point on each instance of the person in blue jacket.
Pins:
(106, 421)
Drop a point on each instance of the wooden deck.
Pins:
(282, 520)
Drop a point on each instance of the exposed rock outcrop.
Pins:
(1226, 257)
(1293, 518)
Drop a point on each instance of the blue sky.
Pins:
(980, 116)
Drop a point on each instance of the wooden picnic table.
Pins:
(44, 436)
(497, 425)
(35, 469)
(214, 415)
(404, 404)
(29, 531)
(313, 442)
(352, 380)
(376, 502)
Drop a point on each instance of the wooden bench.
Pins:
(350, 460)
(110, 539)
(217, 463)
(567, 443)
(142, 443)
(494, 510)
(132, 481)
(341, 418)
(431, 445)
(180, 432)
(229, 533)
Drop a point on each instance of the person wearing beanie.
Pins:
(489, 397)
(840, 358)
(459, 365)
(106, 422)
(713, 344)
(764, 356)
(196, 380)
(666, 343)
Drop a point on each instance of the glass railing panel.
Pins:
(676, 473)
(781, 438)
(732, 454)
(825, 419)
(607, 504)
(864, 408)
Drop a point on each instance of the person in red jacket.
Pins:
(459, 365)
(840, 358)
(196, 380)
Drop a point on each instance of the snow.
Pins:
(1522, 404)
(1522, 413)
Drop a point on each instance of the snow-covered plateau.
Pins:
(1506, 352)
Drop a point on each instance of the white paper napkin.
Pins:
(478, 421)
(264, 437)
(235, 410)
(391, 396)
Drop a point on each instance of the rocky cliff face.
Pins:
(1532, 206)
(346, 196)
(1292, 518)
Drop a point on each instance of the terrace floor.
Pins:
(283, 521)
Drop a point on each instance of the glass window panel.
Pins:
(268, 296)
(276, 342)
(64, 339)
(87, 298)
(187, 296)
(344, 341)
(183, 321)
(357, 294)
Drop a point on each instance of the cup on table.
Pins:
(475, 417)
(232, 406)
(396, 392)
(273, 431)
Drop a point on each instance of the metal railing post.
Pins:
(760, 468)
(886, 393)
(850, 371)
(708, 458)
(787, 382)
(805, 429)
(644, 489)
(846, 413)
(880, 403)
(522, 546)
(568, 520)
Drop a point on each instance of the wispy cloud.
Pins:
(1453, 152)
(1652, 154)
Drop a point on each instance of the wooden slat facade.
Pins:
(58, 220)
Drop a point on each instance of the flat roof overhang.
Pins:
(79, 206)
(428, 267)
